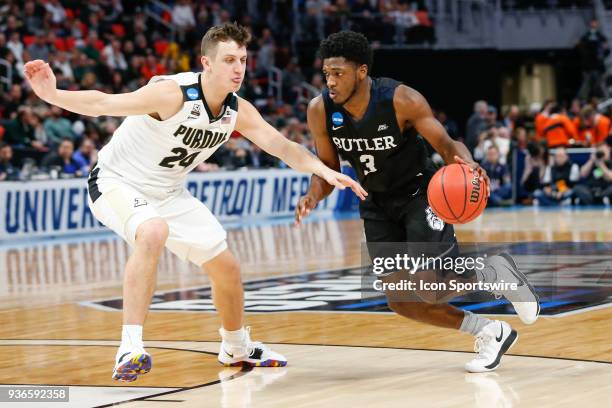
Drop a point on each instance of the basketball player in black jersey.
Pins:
(378, 126)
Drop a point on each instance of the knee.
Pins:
(152, 234)
(225, 273)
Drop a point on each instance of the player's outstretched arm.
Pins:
(163, 98)
(256, 129)
(412, 109)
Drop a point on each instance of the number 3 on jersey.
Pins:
(181, 154)
(368, 161)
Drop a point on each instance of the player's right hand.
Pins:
(303, 208)
(41, 78)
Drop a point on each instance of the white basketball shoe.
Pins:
(130, 363)
(492, 342)
(524, 299)
(252, 353)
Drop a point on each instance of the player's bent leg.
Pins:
(131, 359)
(493, 338)
(237, 348)
(141, 270)
(227, 291)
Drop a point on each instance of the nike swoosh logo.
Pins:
(498, 339)
(337, 127)
(123, 355)
(230, 355)
(415, 193)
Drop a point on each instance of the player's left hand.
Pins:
(341, 181)
(481, 172)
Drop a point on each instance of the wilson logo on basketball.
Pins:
(475, 193)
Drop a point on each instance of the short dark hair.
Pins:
(349, 45)
(224, 32)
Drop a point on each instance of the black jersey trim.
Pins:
(94, 192)
(230, 101)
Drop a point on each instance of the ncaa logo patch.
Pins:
(192, 93)
(337, 118)
(434, 222)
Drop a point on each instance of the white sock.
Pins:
(472, 323)
(235, 337)
(131, 336)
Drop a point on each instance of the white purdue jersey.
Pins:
(159, 154)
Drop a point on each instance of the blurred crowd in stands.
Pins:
(115, 46)
(542, 137)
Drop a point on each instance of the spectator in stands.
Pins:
(7, 170)
(19, 133)
(183, 18)
(15, 45)
(559, 180)
(40, 134)
(476, 124)
(265, 55)
(39, 49)
(62, 159)
(292, 80)
(152, 67)
(535, 167)
(541, 118)
(575, 108)
(57, 11)
(494, 136)
(513, 118)
(261, 159)
(91, 47)
(501, 189)
(519, 136)
(57, 127)
(593, 48)
(62, 68)
(450, 125)
(12, 101)
(597, 175)
(12, 26)
(491, 118)
(593, 128)
(113, 56)
(31, 16)
(85, 156)
(559, 130)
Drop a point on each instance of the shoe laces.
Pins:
(481, 345)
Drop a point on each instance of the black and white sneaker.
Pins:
(492, 342)
(524, 299)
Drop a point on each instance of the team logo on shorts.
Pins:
(434, 222)
(138, 202)
(337, 119)
(192, 93)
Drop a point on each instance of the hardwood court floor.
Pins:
(52, 330)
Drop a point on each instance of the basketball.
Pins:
(456, 194)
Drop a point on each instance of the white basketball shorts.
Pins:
(194, 232)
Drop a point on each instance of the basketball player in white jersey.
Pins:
(137, 187)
